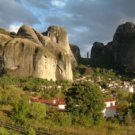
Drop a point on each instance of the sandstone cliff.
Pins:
(30, 53)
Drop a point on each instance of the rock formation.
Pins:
(97, 50)
(102, 55)
(120, 53)
(124, 46)
(76, 52)
(30, 53)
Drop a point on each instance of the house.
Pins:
(58, 103)
(110, 109)
(131, 89)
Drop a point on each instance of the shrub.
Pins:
(21, 110)
(29, 131)
(38, 111)
(4, 131)
(10, 95)
(65, 119)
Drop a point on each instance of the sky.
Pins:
(86, 21)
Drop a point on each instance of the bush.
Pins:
(64, 119)
(21, 110)
(86, 121)
(29, 131)
(4, 131)
(10, 95)
(38, 111)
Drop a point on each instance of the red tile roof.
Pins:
(48, 101)
(109, 99)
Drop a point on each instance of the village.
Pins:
(111, 84)
(49, 99)
(110, 101)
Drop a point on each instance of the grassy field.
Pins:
(105, 130)
(15, 108)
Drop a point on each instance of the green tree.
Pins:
(21, 110)
(10, 94)
(124, 99)
(85, 99)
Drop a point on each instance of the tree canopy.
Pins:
(84, 99)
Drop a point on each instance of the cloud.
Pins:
(14, 28)
(12, 11)
(86, 21)
(59, 3)
(100, 18)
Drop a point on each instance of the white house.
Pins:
(131, 89)
(62, 106)
(58, 103)
(110, 109)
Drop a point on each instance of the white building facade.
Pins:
(110, 109)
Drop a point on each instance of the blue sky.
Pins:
(86, 21)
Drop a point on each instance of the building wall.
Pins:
(110, 103)
(62, 106)
(107, 112)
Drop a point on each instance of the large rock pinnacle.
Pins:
(124, 45)
(31, 53)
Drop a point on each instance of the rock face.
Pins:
(102, 55)
(76, 51)
(124, 45)
(120, 53)
(58, 35)
(97, 50)
(31, 53)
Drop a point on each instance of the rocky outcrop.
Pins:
(118, 54)
(76, 52)
(3, 40)
(97, 50)
(28, 32)
(58, 35)
(30, 53)
(102, 55)
(124, 45)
